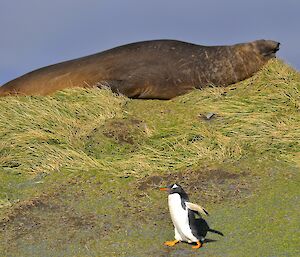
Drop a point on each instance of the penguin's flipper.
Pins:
(196, 208)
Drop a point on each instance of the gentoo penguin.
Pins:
(187, 227)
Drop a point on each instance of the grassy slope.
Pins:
(79, 171)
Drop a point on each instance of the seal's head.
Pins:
(266, 48)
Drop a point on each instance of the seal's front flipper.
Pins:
(122, 87)
(112, 84)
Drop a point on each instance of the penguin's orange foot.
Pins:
(171, 243)
(197, 246)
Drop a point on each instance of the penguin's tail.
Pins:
(216, 232)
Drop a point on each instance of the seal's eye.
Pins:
(174, 186)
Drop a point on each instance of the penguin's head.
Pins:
(174, 188)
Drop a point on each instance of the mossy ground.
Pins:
(80, 170)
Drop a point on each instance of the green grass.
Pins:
(79, 171)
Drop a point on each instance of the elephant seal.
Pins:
(157, 69)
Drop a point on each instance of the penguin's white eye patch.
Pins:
(174, 186)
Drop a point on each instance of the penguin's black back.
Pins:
(199, 226)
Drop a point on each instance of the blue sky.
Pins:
(36, 33)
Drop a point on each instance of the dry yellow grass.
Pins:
(261, 114)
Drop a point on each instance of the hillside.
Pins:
(80, 170)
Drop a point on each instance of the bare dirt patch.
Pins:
(125, 131)
(122, 131)
(117, 136)
(33, 219)
(209, 185)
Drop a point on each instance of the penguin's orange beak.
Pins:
(164, 189)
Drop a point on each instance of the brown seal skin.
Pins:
(158, 69)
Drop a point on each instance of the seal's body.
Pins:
(187, 227)
(158, 69)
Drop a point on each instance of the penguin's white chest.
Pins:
(180, 219)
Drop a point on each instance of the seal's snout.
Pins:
(274, 46)
(277, 47)
(267, 48)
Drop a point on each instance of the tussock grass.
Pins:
(257, 116)
(43, 134)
